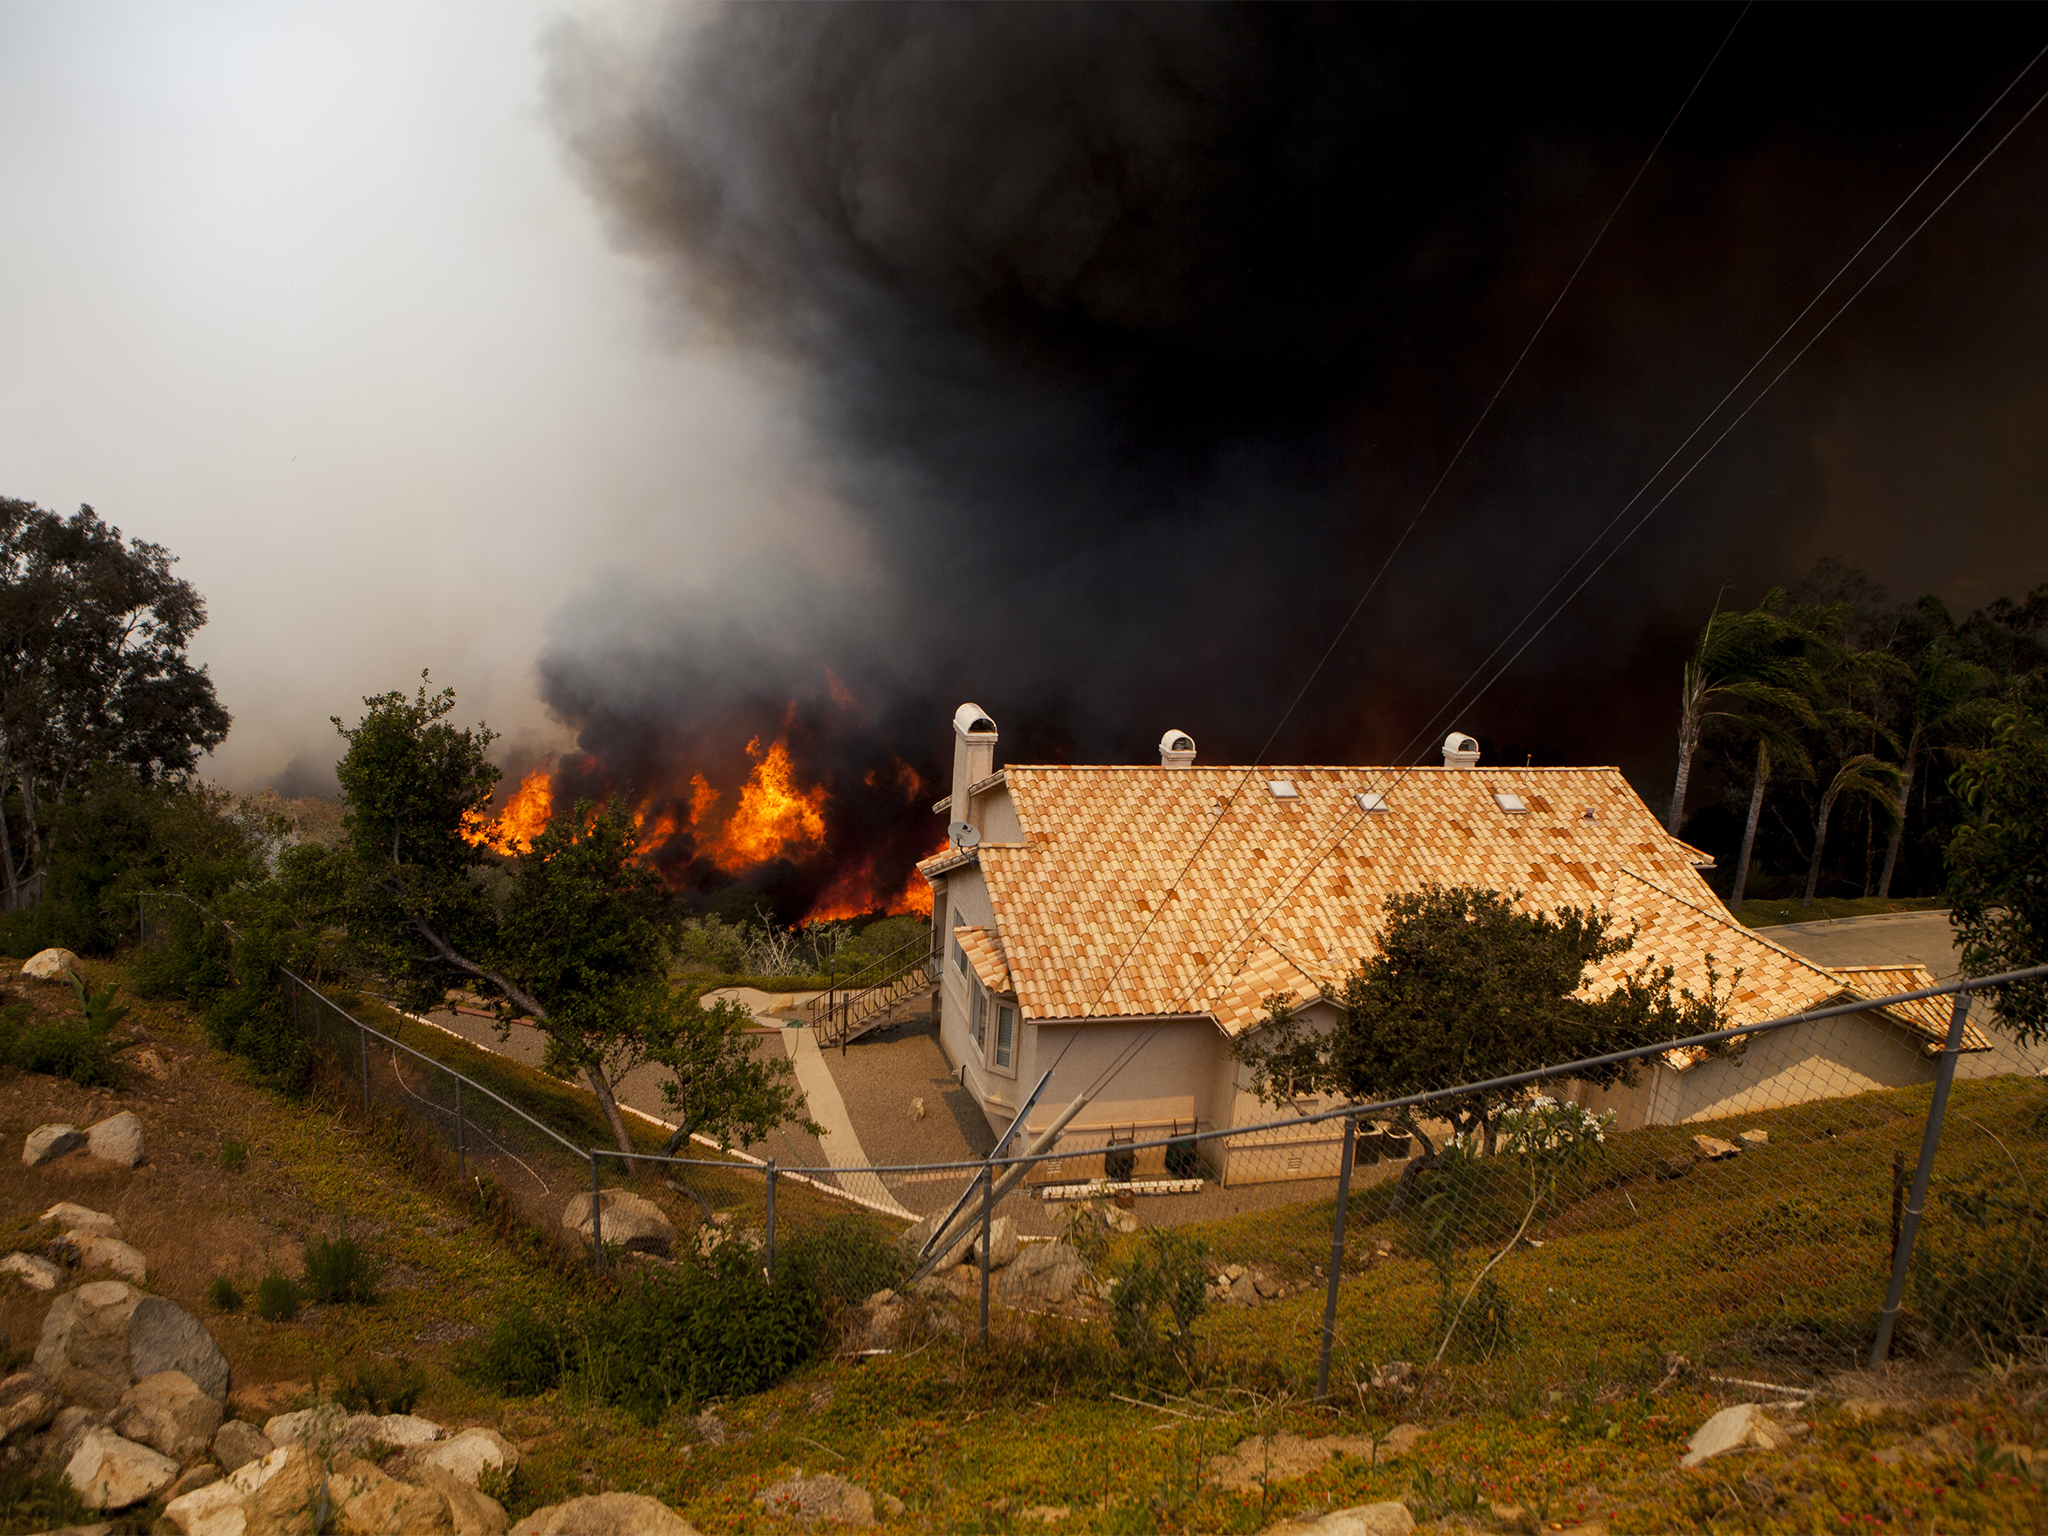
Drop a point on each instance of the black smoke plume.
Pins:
(1135, 335)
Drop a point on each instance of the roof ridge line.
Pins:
(1727, 921)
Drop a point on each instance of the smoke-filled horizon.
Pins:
(1132, 337)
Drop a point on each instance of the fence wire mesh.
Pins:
(1737, 1205)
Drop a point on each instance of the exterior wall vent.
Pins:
(1176, 750)
(1460, 751)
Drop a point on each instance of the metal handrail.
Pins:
(887, 969)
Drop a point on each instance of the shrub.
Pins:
(520, 1356)
(277, 1299)
(73, 1048)
(341, 1270)
(33, 1500)
(1978, 1268)
(234, 1155)
(382, 1388)
(1157, 1295)
(846, 1257)
(223, 1296)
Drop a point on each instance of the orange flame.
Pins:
(773, 816)
(852, 895)
(524, 818)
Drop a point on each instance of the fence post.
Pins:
(596, 1220)
(364, 1030)
(768, 1237)
(461, 1146)
(1336, 1255)
(1944, 1076)
(988, 1179)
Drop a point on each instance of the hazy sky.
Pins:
(307, 294)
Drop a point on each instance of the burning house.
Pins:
(1079, 910)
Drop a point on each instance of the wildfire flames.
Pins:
(774, 817)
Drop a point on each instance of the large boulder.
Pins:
(117, 1139)
(1002, 1243)
(66, 1430)
(112, 1473)
(468, 1456)
(631, 1222)
(75, 1220)
(169, 1413)
(26, 1404)
(101, 1338)
(1042, 1272)
(124, 1259)
(238, 1442)
(46, 1143)
(50, 965)
(606, 1514)
(330, 1427)
(221, 1508)
(921, 1232)
(472, 1513)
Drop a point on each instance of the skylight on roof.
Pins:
(1510, 802)
(1370, 800)
(1283, 789)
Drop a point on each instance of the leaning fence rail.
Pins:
(985, 1183)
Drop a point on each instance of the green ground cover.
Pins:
(1758, 912)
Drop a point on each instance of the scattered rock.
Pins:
(710, 1427)
(50, 964)
(70, 1426)
(368, 1503)
(46, 1143)
(1673, 1167)
(1388, 1519)
(827, 1496)
(221, 1508)
(26, 1404)
(76, 1220)
(122, 1258)
(117, 1140)
(152, 1065)
(1396, 1376)
(1268, 1288)
(238, 1442)
(37, 1274)
(631, 1222)
(102, 1337)
(192, 1479)
(1258, 1459)
(1713, 1148)
(1002, 1243)
(1755, 1138)
(880, 1323)
(1121, 1220)
(112, 1473)
(168, 1413)
(467, 1456)
(472, 1513)
(917, 1109)
(1244, 1291)
(606, 1514)
(1048, 1514)
(914, 1239)
(1042, 1272)
(290, 1483)
(331, 1428)
(1731, 1429)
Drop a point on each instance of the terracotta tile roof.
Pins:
(1927, 1018)
(1093, 925)
(984, 952)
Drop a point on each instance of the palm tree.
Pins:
(1777, 744)
(1864, 774)
(1756, 659)
(1945, 695)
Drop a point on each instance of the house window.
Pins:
(959, 954)
(1006, 1031)
(980, 1013)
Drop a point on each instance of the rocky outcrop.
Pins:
(631, 1222)
(1043, 1273)
(606, 1514)
(168, 1413)
(110, 1472)
(103, 1337)
(117, 1140)
(47, 1143)
(367, 1503)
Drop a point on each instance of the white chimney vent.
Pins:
(1176, 750)
(974, 759)
(1460, 751)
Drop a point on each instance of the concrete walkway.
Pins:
(842, 1145)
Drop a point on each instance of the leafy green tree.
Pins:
(1469, 985)
(1864, 774)
(1944, 698)
(715, 1085)
(93, 664)
(1998, 866)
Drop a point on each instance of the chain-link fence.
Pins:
(1764, 1202)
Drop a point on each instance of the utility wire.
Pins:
(1253, 922)
(1413, 522)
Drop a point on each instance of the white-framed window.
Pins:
(1006, 1035)
(980, 1012)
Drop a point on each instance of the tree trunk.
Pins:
(1756, 810)
(1891, 852)
(31, 836)
(1820, 843)
(7, 850)
(1688, 744)
(608, 1102)
(1404, 1187)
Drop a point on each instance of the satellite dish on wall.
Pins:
(964, 834)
